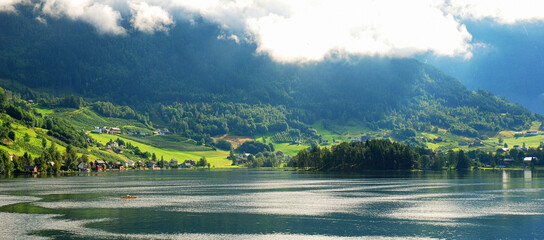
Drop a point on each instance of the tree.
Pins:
(11, 135)
(202, 162)
(70, 158)
(6, 166)
(463, 162)
(44, 142)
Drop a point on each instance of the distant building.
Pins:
(528, 160)
(532, 133)
(503, 150)
(32, 169)
(438, 139)
(82, 166)
(508, 161)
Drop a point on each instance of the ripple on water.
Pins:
(8, 200)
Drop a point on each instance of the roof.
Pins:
(528, 159)
(100, 162)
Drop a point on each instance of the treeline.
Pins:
(387, 155)
(370, 155)
(202, 120)
(50, 160)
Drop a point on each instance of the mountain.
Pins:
(201, 85)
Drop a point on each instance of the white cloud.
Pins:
(310, 30)
(501, 11)
(149, 19)
(102, 16)
(9, 5)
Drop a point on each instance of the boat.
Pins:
(129, 197)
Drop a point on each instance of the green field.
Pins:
(215, 158)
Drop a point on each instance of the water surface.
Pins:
(263, 204)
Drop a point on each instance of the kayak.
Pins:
(129, 197)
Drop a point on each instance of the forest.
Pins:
(201, 86)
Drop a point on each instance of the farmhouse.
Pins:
(532, 133)
(32, 169)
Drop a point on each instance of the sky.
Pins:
(458, 36)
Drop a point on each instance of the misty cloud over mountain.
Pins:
(306, 30)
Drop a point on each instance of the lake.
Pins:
(265, 204)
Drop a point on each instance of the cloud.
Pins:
(9, 5)
(149, 19)
(309, 30)
(102, 16)
(501, 11)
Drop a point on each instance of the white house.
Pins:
(532, 133)
(529, 159)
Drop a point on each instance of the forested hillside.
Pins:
(200, 86)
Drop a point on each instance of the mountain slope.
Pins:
(200, 85)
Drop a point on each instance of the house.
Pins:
(297, 141)
(279, 154)
(130, 163)
(114, 145)
(508, 161)
(242, 161)
(166, 131)
(119, 165)
(517, 147)
(477, 142)
(527, 160)
(30, 102)
(438, 139)
(174, 162)
(82, 166)
(246, 155)
(503, 150)
(484, 137)
(532, 133)
(188, 164)
(32, 169)
(97, 130)
(325, 143)
(142, 133)
(152, 164)
(115, 130)
(518, 134)
(100, 164)
(193, 162)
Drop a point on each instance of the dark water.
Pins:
(260, 204)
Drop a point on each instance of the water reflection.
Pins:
(276, 204)
(527, 174)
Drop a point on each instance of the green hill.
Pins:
(201, 87)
